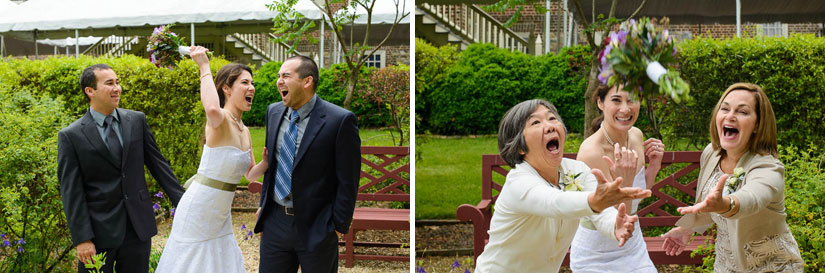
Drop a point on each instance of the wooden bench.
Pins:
(374, 218)
(652, 215)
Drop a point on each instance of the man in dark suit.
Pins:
(100, 159)
(310, 187)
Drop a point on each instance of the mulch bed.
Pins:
(459, 237)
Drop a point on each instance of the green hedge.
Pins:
(31, 211)
(331, 87)
(790, 70)
(486, 81)
(431, 66)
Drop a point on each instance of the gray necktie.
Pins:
(111, 138)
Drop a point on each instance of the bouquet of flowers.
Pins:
(166, 48)
(639, 51)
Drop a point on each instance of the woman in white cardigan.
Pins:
(748, 209)
(545, 195)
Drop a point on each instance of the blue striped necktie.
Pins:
(283, 175)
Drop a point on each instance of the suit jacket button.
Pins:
(124, 176)
(126, 196)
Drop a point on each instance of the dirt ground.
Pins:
(460, 236)
(250, 245)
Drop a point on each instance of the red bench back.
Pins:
(386, 156)
(495, 164)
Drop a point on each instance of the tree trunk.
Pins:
(353, 81)
(591, 110)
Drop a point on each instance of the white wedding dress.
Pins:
(202, 240)
(592, 252)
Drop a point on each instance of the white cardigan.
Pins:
(534, 222)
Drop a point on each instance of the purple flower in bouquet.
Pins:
(163, 47)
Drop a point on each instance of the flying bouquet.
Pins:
(166, 48)
(637, 55)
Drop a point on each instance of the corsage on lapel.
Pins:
(734, 181)
(571, 182)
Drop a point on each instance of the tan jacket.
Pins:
(761, 201)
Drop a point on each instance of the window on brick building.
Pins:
(776, 29)
(377, 60)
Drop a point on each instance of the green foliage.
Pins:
(487, 81)
(32, 220)
(805, 207)
(790, 70)
(390, 91)
(288, 26)
(431, 65)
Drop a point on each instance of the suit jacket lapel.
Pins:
(125, 134)
(316, 122)
(275, 119)
(93, 136)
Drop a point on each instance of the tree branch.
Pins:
(637, 9)
(590, 38)
(613, 9)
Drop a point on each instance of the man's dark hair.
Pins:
(307, 67)
(88, 78)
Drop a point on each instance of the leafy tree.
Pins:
(291, 28)
(390, 89)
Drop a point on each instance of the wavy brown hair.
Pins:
(763, 141)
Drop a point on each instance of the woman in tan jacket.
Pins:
(741, 189)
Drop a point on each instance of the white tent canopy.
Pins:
(383, 12)
(71, 41)
(45, 15)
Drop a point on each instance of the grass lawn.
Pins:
(448, 172)
(369, 137)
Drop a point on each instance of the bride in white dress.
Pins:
(202, 239)
(617, 149)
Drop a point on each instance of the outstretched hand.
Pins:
(624, 225)
(626, 162)
(714, 202)
(609, 194)
(676, 240)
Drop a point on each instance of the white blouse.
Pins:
(534, 222)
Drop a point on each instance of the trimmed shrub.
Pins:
(487, 81)
(431, 66)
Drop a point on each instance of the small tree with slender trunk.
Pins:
(291, 27)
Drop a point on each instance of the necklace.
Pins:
(237, 122)
(610, 141)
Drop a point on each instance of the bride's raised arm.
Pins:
(209, 94)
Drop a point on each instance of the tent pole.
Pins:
(36, 51)
(192, 41)
(547, 27)
(323, 22)
(76, 43)
(738, 17)
(2, 46)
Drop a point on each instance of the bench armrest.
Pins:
(480, 216)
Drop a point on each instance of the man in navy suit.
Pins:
(310, 188)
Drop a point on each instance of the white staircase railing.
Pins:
(262, 45)
(476, 25)
(112, 45)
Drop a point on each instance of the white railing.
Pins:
(476, 25)
(112, 45)
(262, 44)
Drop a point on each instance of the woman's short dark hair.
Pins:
(511, 141)
(227, 76)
